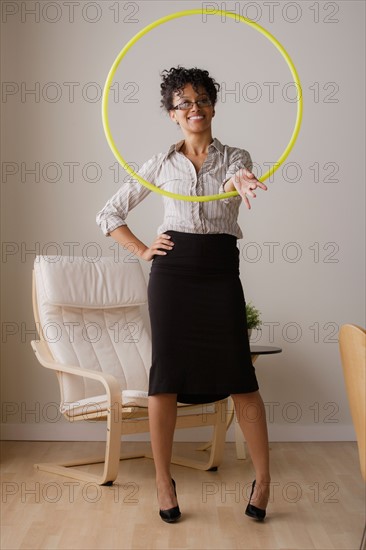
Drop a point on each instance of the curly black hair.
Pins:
(176, 78)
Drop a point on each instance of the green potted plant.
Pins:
(253, 317)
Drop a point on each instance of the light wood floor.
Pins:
(318, 501)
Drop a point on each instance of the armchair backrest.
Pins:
(88, 311)
(352, 345)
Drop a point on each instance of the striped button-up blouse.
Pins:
(174, 172)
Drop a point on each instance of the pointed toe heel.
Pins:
(252, 511)
(171, 515)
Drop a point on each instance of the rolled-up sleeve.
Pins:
(240, 158)
(129, 195)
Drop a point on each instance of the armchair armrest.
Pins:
(110, 383)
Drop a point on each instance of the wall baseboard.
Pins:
(87, 431)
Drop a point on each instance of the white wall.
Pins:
(302, 255)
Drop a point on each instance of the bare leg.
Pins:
(251, 415)
(162, 420)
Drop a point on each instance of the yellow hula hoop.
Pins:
(147, 29)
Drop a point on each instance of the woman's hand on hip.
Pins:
(245, 183)
(161, 241)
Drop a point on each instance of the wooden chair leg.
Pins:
(113, 446)
(217, 444)
(111, 459)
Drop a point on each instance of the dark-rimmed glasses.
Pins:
(185, 105)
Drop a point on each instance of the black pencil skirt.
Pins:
(200, 345)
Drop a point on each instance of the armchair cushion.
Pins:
(105, 282)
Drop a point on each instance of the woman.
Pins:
(200, 347)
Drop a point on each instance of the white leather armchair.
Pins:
(92, 334)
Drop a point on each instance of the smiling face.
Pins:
(196, 119)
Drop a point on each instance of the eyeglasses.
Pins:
(205, 102)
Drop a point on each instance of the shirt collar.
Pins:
(216, 144)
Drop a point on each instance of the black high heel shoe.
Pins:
(172, 514)
(252, 511)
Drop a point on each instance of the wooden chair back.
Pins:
(352, 345)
